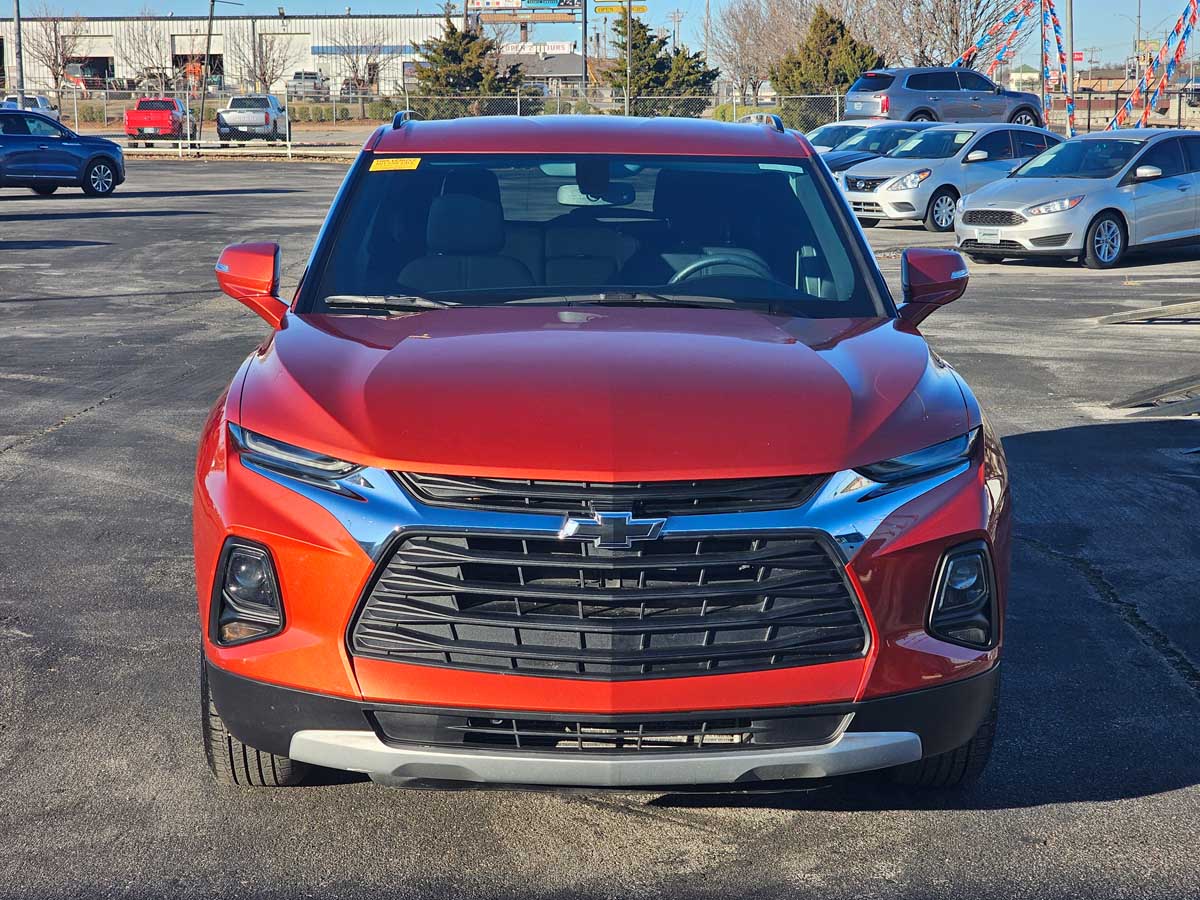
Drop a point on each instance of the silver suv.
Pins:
(939, 95)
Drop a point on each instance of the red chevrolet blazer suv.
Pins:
(594, 452)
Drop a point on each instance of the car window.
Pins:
(1081, 158)
(1029, 143)
(13, 125)
(932, 81)
(156, 104)
(832, 135)
(249, 103)
(39, 127)
(1191, 149)
(872, 81)
(878, 140)
(491, 229)
(933, 144)
(998, 144)
(973, 81)
(1167, 155)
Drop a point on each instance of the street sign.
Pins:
(525, 15)
(620, 10)
(1077, 56)
(495, 4)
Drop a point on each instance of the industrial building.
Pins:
(121, 51)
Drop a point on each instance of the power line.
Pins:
(676, 16)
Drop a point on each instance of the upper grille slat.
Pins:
(671, 607)
(992, 217)
(656, 498)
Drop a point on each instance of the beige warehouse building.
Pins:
(110, 51)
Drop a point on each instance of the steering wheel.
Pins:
(753, 266)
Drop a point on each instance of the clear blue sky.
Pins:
(1099, 23)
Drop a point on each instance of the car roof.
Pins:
(1132, 134)
(627, 135)
(897, 70)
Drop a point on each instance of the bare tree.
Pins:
(364, 55)
(738, 40)
(146, 46)
(937, 32)
(501, 32)
(53, 40)
(266, 63)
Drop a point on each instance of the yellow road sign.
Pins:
(620, 10)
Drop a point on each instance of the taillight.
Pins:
(885, 103)
(266, 118)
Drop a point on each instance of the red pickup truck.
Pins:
(158, 118)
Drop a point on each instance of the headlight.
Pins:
(910, 181)
(288, 458)
(922, 463)
(958, 205)
(964, 608)
(1060, 205)
(246, 603)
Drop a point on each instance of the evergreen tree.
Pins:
(829, 60)
(464, 63)
(657, 71)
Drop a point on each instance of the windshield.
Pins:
(1092, 158)
(831, 135)
(932, 144)
(488, 230)
(879, 140)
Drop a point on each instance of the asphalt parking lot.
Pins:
(113, 344)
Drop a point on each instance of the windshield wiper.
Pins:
(386, 301)
(633, 298)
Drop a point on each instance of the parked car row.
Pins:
(939, 94)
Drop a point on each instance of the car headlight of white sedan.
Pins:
(910, 181)
(1062, 204)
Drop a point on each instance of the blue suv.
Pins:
(38, 153)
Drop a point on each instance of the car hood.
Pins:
(605, 394)
(885, 166)
(1017, 193)
(840, 160)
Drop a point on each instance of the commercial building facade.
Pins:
(108, 50)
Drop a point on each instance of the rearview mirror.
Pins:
(977, 156)
(929, 279)
(249, 273)
(1147, 173)
(618, 193)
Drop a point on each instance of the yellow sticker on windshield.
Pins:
(395, 163)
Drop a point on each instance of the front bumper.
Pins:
(345, 734)
(1057, 234)
(888, 204)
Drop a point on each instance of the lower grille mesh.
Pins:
(669, 607)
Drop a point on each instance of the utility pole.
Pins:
(1069, 25)
(628, 51)
(20, 56)
(1137, 46)
(707, 27)
(212, 4)
(584, 80)
(676, 16)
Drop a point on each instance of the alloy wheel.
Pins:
(943, 211)
(1025, 118)
(1107, 241)
(101, 178)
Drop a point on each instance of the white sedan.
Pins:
(922, 179)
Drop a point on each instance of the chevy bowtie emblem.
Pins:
(611, 531)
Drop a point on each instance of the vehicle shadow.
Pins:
(216, 192)
(1101, 675)
(50, 245)
(103, 214)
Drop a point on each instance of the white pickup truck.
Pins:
(253, 116)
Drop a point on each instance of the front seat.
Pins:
(464, 236)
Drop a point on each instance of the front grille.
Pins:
(652, 498)
(992, 217)
(674, 606)
(1050, 240)
(972, 244)
(863, 185)
(719, 731)
(866, 206)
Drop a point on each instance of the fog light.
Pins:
(246, 601)
(963, 610)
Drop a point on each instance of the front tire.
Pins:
(955, 768)
(99, 178)
(1105, 243)
(939, 217)
(1025, 116)
(235, 763)
(922, 117)
(868, 223)
(44, 190)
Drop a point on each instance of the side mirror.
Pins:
(977, 156)
(929, 279)
(999, 90)
(1147, 173)
(249, 273)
